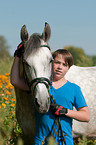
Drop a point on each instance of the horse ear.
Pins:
(47, 32)
(24, 34)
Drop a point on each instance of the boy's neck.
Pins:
(58, 83)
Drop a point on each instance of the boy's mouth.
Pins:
(58, 72)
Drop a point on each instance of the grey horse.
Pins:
(36, 68)
(85, 77)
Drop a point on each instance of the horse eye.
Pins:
(51, 60)
(26, 63)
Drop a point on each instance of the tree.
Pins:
(79, 56)
(4, 48)
(94, 60)
(3, 43)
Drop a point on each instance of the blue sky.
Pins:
(72, 22)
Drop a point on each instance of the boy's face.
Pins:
(60, 67)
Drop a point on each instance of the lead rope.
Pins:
(59, 123)
(62, 135)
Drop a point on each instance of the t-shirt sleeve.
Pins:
(79, 99)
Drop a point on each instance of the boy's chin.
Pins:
(58, 77)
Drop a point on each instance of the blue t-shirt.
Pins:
(68, 95)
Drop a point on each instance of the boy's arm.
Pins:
(82, 114)
(15, 77)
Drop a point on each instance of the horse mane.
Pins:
(33, 43)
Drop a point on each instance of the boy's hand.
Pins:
(20, 50)
(58, 110)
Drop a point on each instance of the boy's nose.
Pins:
(60, 66)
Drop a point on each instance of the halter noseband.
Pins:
(40, 80)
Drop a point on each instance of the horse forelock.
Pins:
(33, 44)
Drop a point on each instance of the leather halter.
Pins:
(43, 80)
(45, 46)
(36, 81)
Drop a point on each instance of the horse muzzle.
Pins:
(40, 88)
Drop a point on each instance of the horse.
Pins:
(85, 77)
(36, 68)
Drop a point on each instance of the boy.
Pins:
(66, 95)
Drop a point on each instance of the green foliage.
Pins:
(4, 54)
(94, 60)
(4, 48)
(5, 58)
(5, 65)
(80, 58)
(84, 141)
(84, 61)
(51, 141)
(3, 43)
(20, 141)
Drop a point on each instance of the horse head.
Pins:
(37, 66)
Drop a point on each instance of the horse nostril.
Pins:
(36, 103)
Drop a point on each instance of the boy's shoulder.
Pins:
(74, 85)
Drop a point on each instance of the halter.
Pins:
(46, 46)
(38, 80)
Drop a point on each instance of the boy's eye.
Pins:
(57, 62)
(65, 64)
